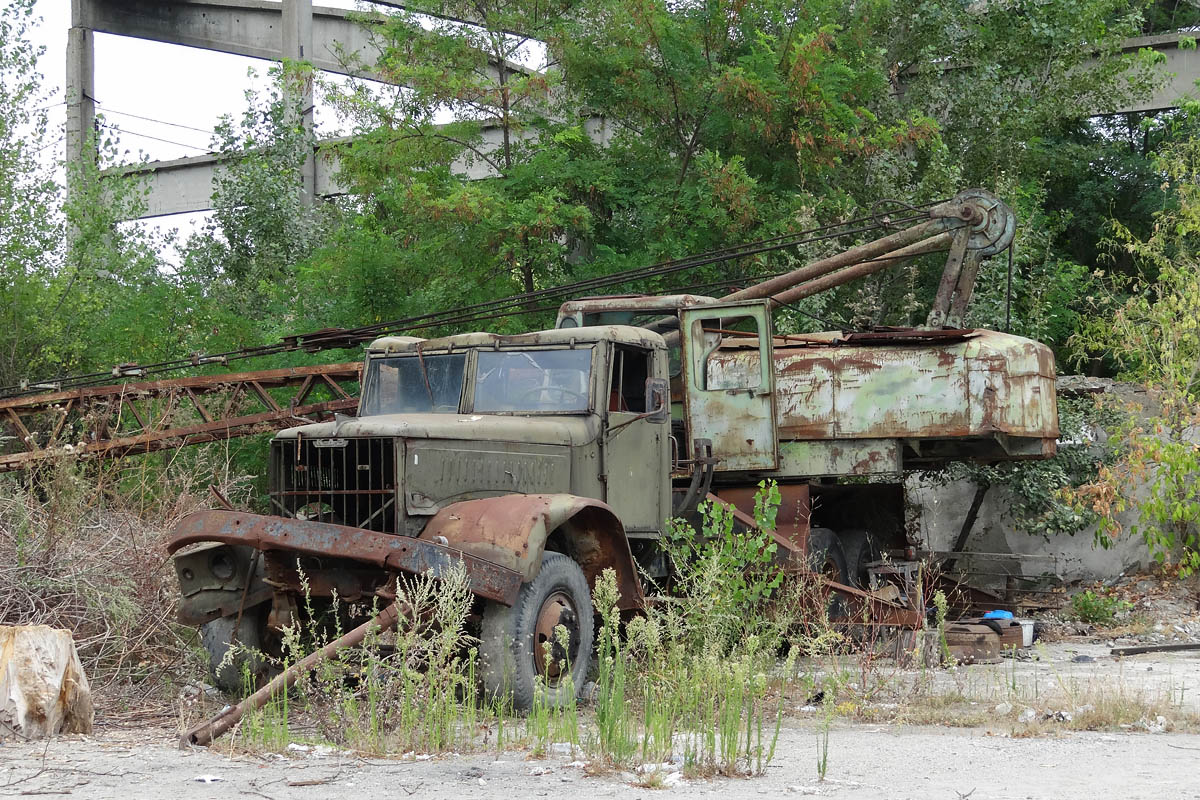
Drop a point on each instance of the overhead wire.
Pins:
(642, 273)
(478, 312)
(129, 132)
(500, 308)
(155, 120)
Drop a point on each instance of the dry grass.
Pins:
(82, 548)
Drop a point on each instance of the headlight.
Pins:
(221, 565)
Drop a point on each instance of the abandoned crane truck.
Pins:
(537, 461)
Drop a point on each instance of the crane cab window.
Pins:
(726, 353)
(627, 388)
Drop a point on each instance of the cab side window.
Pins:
(627, 387)
(728, 353)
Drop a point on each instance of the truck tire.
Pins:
(860, 549)
(825, 555)
(217, 636)
(512, 640)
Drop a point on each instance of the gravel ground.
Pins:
(864, 762)
(135, 755)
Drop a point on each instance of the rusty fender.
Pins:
(304, 537)
(512, 531)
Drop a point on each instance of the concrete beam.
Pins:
(187, 184)
(1181, 69)
(253, 28)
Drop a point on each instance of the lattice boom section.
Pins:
(134, 418)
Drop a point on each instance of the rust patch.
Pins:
(804, 365)
(863, 466)
(512, 530)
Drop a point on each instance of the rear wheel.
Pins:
(520, 644)
(860, 549)
(825, 555)
(826, 558)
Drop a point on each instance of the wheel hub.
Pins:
(556, 610)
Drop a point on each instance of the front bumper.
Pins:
(322, 539)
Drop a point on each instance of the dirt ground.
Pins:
(865, 761)
(1003, 754)
(1065, 719)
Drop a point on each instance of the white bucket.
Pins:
(1026, 632)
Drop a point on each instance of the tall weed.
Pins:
(697, 678)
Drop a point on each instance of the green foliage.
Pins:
(730, 571)
(1097, 608)
(1042, 495)
(648, 130)
(721, 123)
(1154, 335)
(693, 675)
(30, 225)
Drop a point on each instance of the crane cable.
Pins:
(513, 305)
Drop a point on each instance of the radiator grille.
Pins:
(349, 481)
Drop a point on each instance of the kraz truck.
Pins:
(537, 461)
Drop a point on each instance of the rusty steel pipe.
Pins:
(212, 729)
(862, 269)
(963, 216)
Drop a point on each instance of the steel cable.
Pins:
(513, 305)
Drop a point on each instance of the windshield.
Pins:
(534, 380)
(399, 385)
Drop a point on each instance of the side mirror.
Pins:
(658, 399)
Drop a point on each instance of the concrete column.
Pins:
(80, 89)
(298, 46)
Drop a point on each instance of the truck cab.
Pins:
(574, 411)
(534, 462)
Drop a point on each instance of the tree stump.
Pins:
(43, 691)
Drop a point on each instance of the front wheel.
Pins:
(235, 651)
(520, 644)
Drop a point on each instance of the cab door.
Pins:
(637, 441)
(729, 380)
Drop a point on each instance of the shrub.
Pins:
(1097, 609)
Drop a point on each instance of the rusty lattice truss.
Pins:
(134, 418)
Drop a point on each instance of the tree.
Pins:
(1154, 335)
(244, 265)
(30, 224)
(426, 235)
